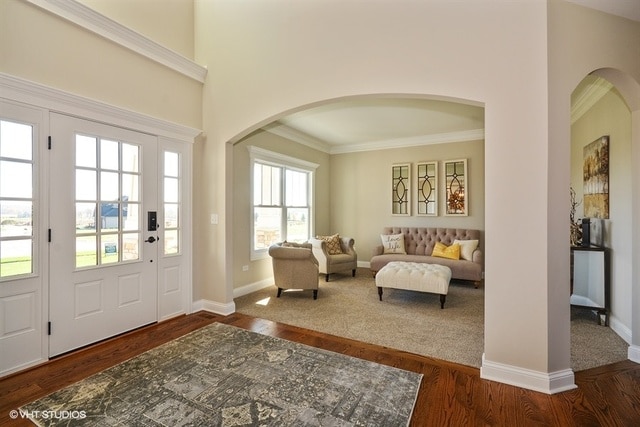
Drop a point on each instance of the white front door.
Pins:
(104, 249)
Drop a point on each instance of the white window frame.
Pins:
(271, 158)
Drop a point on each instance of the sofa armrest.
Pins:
(377, 250)
(477, 256)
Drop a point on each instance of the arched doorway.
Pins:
(607, 103)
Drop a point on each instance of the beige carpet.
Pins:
(413, 321)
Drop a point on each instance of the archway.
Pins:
(612, 103)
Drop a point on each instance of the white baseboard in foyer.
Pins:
(544, 382)
(223, 309)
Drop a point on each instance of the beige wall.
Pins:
(171, 25)
(361, 191)
(261, 269)
(611, 116)
(38, 46)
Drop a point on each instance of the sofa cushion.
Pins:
(393, 243)
(441, 250)
(333, 244)
(466, 248)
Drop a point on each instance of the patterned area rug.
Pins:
(221, 375)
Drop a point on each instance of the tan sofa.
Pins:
(419, 243)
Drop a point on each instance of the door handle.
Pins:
(152, 239)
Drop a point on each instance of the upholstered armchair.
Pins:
(294, 267)
(335, 253)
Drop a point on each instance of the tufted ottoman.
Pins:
(415, 276)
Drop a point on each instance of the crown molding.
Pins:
(292, 134)
(91, 20)
(27, 92)
(413, 141)
(589, 97)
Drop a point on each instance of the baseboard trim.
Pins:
(364, 264)
(621, 329)
(634, 353)
(543, 382)
(252, 287)
(223, 309)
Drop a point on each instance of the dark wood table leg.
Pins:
(380, 292)
(442, 299)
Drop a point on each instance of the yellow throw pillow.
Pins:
(333, 244)
(443, 251)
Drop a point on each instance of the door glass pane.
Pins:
(86, 151)
(109, 186)
(130, 216)
(86, 184)
(130, 245)
(109, 216)
(16, 179)
(109, 154)
(15, 140)
(17, 257)
(100, 233)
(171, 164)
(109, 249)
(16, 218)
(170, 215)
(85, 218)
(170, 190)
(130, 158)
(171, 242)
(130, 187)
(17, 235)
(86, 253)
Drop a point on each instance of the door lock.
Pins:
(152, 239)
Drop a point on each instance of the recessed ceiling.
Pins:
(378, 123)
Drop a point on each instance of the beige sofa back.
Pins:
(421, 240)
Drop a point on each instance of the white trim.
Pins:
(280, 159)
(589, 97)
(214, 307)
(95, 22)
(41, 96)
(634, 353)
(295, 135)
(619, 328)
(544, 382)
(252, 287)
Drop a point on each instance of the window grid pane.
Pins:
(171, 203)
(104, 206)
(273, 221)
(17, 204)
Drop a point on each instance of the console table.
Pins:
(591, 280)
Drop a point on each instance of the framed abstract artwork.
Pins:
(457, 195)
(595, 175)
(400, 189)
(427, 189)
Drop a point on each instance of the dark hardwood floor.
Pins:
(450, 394)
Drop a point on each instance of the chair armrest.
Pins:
(319, 248)
(347, 244)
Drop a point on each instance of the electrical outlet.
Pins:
(245, 268)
